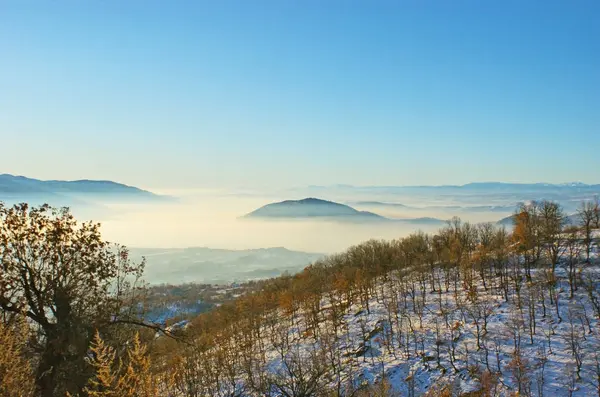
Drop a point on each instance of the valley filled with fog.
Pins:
(162, 232)
(213, 220)
(209, 236)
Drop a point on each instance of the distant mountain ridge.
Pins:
(380, 204)
(472, 196)
(480, 208)
(78, 194)
(514, 192)
(21, 184)
(471, 185)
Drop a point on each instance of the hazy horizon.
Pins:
(253, 189)
(213, 217)
(201, 218)
(228, 94)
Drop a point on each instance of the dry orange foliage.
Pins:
(16, 374)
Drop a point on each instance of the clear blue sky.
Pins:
(230, 93)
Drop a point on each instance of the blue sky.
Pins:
(283, 93)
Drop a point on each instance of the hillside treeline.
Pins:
(470, 309)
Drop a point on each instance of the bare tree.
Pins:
(572, 248)
(594, 379)
(300, 374)
(570, 382)
(549, 332)
(573, 338)
(486, 234)
(542, 360)
(530, 298)
(596, 212)
(480, 312)
(520, 369)
(552, 220)
(592, 287)
(587, 214)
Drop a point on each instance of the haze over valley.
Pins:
(161, 223)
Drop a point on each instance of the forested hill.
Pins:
(472, 310)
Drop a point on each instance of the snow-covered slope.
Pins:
(417, 330)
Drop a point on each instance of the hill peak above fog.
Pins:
(319, 209)
(311, 207)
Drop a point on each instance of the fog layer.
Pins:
(214, 222)
(212, 219)
(161, 229)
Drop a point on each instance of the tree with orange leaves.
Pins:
(527, 235)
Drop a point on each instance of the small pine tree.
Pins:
(130, 378)
(16, 374)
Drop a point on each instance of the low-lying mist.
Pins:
(214, 222)
(208, 219)
(161, 230)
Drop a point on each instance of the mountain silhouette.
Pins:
(69, 193)
(313, 208)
